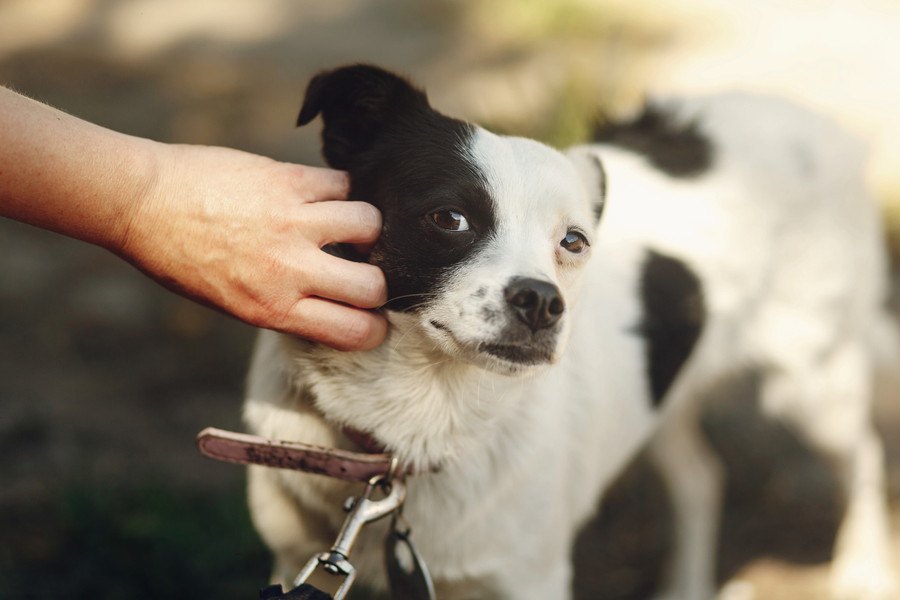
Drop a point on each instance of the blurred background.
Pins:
(105, 378)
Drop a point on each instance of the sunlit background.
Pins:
(105, 378)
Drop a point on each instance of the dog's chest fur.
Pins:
(523, 459)
(519, 460)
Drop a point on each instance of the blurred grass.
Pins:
(132, 543)
(151, 541)
(531, 22)
(568, 120)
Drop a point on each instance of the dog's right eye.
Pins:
(450, 220)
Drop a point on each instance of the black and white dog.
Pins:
(550, 312)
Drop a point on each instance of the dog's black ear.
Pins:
(357, 103)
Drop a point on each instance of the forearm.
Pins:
(61, 173)
(234, 230)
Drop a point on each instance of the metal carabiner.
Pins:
(361, 510)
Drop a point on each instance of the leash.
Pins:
(383, 496)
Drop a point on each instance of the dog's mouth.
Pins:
(517, 354)
(512, 352)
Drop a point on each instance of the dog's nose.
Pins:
(536, 303)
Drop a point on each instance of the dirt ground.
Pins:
(105, 378)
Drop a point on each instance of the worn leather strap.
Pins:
(249, 449)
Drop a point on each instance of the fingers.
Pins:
(358, 284)
(341, 327)
(329, 214)
(336, 291)
(315, 184)
(342, 222)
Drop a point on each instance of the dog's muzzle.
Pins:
(530, 336)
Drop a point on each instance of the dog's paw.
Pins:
(863, 580)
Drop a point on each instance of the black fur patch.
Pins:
(674, 313)
(678, 149)
(409, 161)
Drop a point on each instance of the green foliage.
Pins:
(568, 120)
(529, 21)
(571, 117)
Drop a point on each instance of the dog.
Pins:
(553, 313)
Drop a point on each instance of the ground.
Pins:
(105, 378)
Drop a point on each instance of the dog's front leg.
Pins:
(692, 475)
(544, 583)
(291, 535)
(862, 565)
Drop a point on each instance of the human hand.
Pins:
(244, 233)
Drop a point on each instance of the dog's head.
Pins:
(484, 235)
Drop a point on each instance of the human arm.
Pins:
(233, 230)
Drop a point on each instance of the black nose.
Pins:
(536, 303)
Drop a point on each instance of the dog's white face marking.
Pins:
(485, 310)
(483, 236)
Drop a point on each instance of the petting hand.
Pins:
(231, 229)
(245, 233)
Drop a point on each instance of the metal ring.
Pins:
(384, 480)
(392, 470)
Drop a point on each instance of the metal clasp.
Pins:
(361, 510)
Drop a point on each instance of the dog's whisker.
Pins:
(431, 365)
(484, 375)
(403, 296)
(400, 339)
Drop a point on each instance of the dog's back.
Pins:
(766, 203)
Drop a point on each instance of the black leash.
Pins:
(304, 591)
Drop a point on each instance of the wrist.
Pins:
(135, 193)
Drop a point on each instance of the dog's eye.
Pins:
(574, 242)
(450, 220)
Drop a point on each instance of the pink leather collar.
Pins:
(249, 449)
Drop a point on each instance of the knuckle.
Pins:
(374, 290)
(315, 183)
(262, 315)
(287, 176)
(341, 183)
(290, 318)
(368, 217)
(356, 331)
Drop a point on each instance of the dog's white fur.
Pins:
(786, 244)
